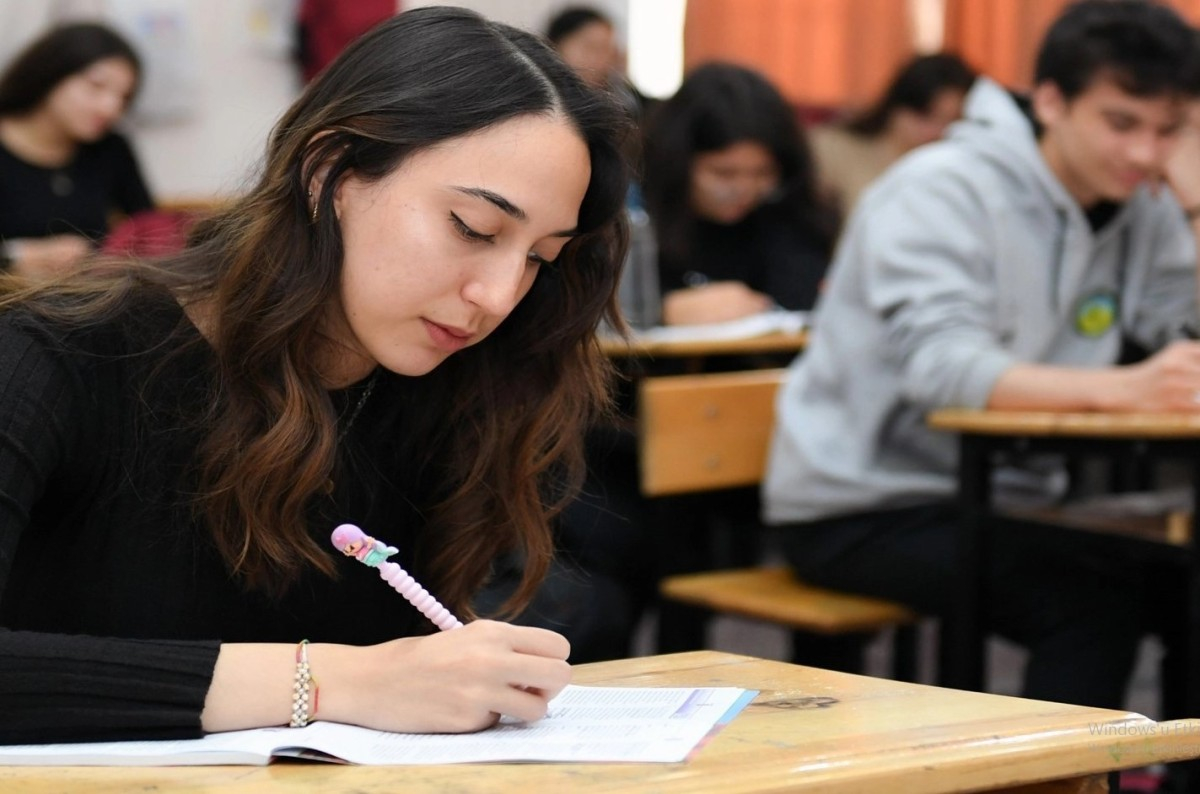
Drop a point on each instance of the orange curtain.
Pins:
(831, 53)
(1001, 37)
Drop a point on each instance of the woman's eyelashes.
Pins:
(467, 233)
(472, 236)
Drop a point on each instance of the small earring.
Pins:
(313, 217)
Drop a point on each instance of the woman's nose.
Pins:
(498, 287)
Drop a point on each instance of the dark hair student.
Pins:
(924, 97)
(395, 327)
(572, 20)
(916, 87)
(64, 171)
(723, 111)
(932, 305)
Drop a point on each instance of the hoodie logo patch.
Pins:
(1095, 314)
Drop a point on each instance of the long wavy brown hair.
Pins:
(498, 427)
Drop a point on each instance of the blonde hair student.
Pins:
(395, 328)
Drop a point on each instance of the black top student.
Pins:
(731, 190)
(395, 328)
(63, 170)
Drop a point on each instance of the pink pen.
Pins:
(353, 542)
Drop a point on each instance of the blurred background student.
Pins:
(732, 198)
(923, 98)
(731, 190)
(64, 172)
(586, 40)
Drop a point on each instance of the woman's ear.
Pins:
(317, 175)
(316, 188)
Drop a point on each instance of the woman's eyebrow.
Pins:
(505, 206)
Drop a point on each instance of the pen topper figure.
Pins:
(353, 542)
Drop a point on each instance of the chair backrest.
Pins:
(703, 432)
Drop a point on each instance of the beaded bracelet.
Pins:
(304, 690)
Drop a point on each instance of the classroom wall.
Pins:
(533, 14)
(21, 20)
(243, 82)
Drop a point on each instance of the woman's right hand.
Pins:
(48, 257)
(451, 682)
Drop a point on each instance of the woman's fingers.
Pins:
(527, 705)
(540, 642)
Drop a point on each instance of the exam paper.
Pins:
(585, 724)
(745, 328)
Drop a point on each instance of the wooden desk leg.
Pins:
(1191, 695)
(1179, 674)
(964, 625)
(1186, 776)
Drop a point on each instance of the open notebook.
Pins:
(585, 724)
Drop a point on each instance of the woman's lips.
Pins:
(447, 337)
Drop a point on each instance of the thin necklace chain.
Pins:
(358, 406)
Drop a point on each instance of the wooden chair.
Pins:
(704, 432)
(711, 431)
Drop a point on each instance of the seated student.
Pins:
(63, 171)
(395, 328)
(999, 269)
(585, 39)
(731, 191)
(731, 197)
(923, 98)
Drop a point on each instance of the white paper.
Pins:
(585, 724)
(745, 328)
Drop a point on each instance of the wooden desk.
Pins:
(812, 729)
(983, 433)
(751, 346)
(1052, 424)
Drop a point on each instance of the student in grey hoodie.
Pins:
(1000, 268)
